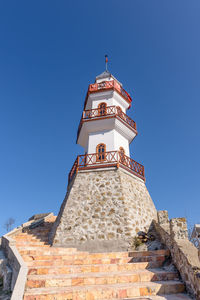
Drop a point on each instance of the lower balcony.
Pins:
(106, 160)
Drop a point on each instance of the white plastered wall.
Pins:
(120, 141)
(112, 139)
(105, 137)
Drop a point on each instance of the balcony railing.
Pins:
(97, 113)
(110, 159)
(106, 85)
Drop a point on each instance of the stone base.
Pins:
(103, 210)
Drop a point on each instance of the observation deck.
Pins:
(109, 159)
(109, 85)
(107, 112)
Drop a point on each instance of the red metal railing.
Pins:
(112, 158)
(95, 87)
(108, 111)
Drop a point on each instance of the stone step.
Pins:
(30, 237)
(50, 254)
(32, 244)
(36, 281)
(72, 269)
(65, 260)
(35, 231)
(91, 257)
(165, 297)
(62, 251)
(44, 233)
(25, 246)
(32, 241)
(120, 291)
(46, 251)
(149, 253)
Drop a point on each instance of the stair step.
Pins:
(30, 236)
(35, 244)
(57, 273)
(149, 253)
(32, 240)
(165, 297)
(101, 254)
(46, 251)
(71, 269)
(31, 261)
(91, 257)
(34, 232)
(125, 290)
(48, 255)
(61, 250)
(100, 278)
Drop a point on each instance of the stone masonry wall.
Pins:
(103, 211)
(184, 254)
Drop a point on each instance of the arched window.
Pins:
(121, 150)
(102, 108)
(122, 155)
(101, 152)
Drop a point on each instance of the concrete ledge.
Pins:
(17, 264)
(19, 268)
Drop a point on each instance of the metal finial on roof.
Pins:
(106, 61)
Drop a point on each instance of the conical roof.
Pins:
(107, 75)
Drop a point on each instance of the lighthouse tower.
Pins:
(107, 201)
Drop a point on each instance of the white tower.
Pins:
(104, 124)
(105, 131)
(107, 201)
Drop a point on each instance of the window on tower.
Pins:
(121, 150)
(102, 108)
(101, 152)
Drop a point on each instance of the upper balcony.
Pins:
(107, 112)
(108, 85)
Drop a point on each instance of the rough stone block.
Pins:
(163, 217)
(178, 228)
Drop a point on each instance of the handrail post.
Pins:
(117, 159)
(143, 172)
(78, 158)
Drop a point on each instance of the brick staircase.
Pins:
(65, 273)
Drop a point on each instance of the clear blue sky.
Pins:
(51, 50)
